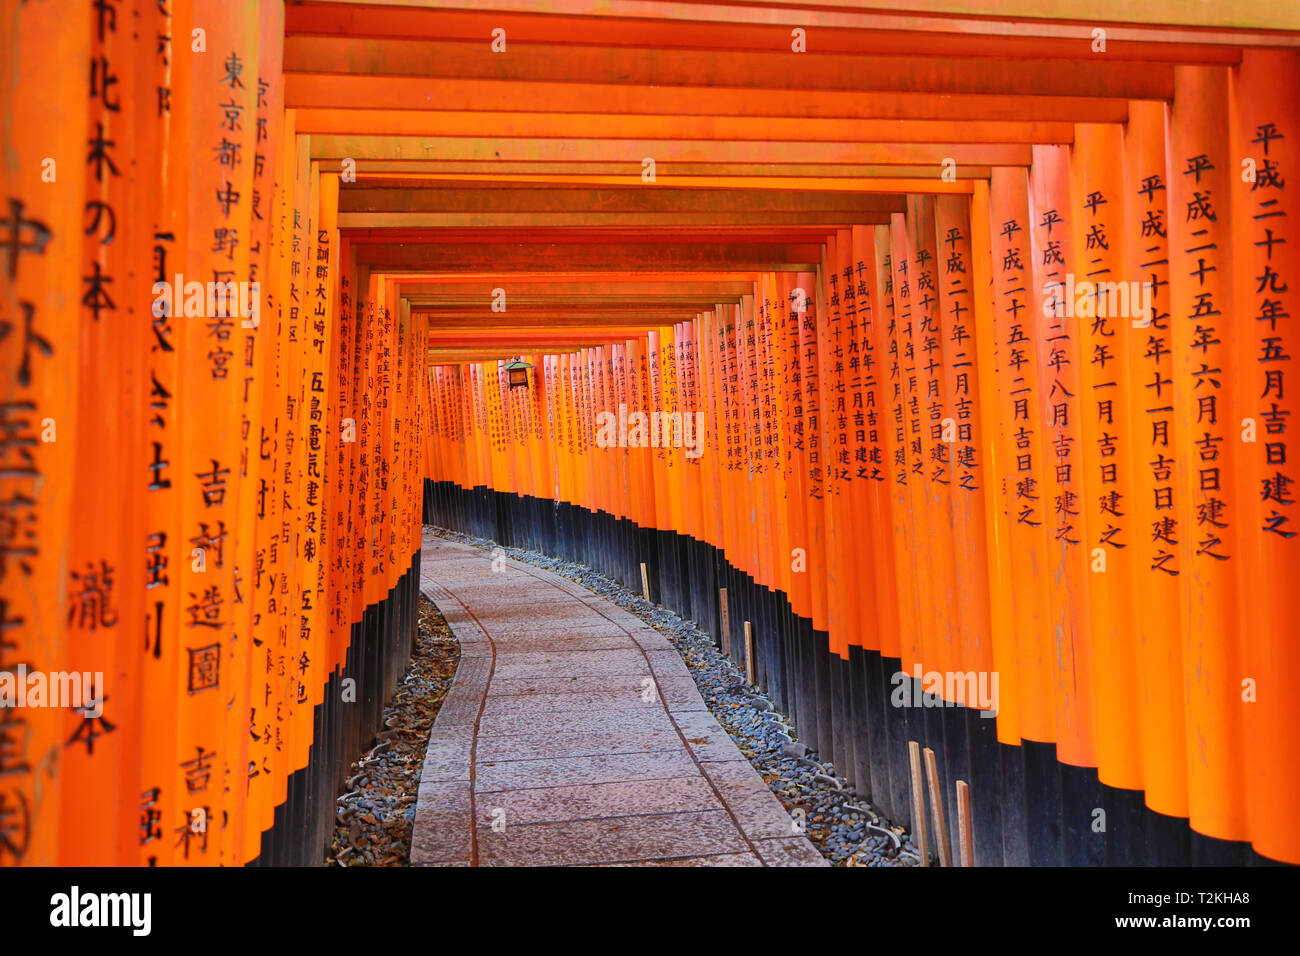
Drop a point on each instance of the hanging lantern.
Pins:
(517, 373)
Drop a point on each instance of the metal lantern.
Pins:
(517, 373)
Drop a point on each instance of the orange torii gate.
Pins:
(936, 377)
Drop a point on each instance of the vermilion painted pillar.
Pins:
(43, 211)
(1157, 615)
(1105, 302)
(1266, 248)
(1209, 499)
(968, 471)
(1058, 345)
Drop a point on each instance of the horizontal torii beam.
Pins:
(530, 220)
(396, 257)
(460, 356)
(930, 180)
(402, 195)
(613, 288)
(559, 304)
(593, 235)
(628, 278)
(1085, 75)
(330, 90)
(1195, 20)
(514, 343)
(337, 147)
(612, 329)
(391, 122)
(576, 319)
(541, 172)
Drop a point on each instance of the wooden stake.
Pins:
(964, 837)
(749, 651)
(645, 583)
(936, 808)
(726, 621)
(918, 802)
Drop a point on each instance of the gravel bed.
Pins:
(848, 831)
(376, 809)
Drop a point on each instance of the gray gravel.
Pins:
(848, 831)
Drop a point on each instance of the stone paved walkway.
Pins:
(574, 735)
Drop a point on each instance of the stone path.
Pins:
(574, 735)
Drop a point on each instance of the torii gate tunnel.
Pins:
(935, 358)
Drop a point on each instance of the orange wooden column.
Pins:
(833, 421)
(963, 432)
(903, 561)
(639, 456)
(877, 606)
(776, 571)
(933, 485)
(993, 452)
(1265, 127)
(671, 406)
(48, 49)
(736, 477)
(222, 101)
(1023, 444)
(777, 450)
(916, 573)
(320, 341)
(104, 583)
(162, 142)
(715, 459)
(341, 451)
(697, 503)
(794, 464)
(810, 374)
(757, 433)
(747, 441)
(1155, 520)
(1209, 500)
(1059, 397)
(1104, 310)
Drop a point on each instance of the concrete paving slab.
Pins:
(706, 738)
(631, 684)
(567, 771)
(599, 700)
(610, 840)
(589, 720)
(722, 859)
(569, 639)
(577, 744)
(623, 798)
(750, 800)
(575, 663)
(789, 851)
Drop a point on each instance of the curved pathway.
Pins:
(574, 735)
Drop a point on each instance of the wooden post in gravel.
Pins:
(749, 651)
(964, 838)
(726, 621)
(645, 583)
(918, 802)
(936, 807)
